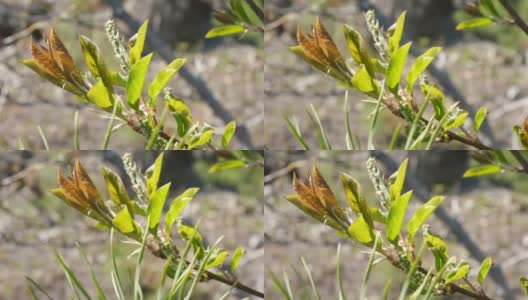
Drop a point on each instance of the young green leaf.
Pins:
(479, 118)
(153, 174)
(216, 259)
(237, 256)
(136, 79)
(396, 65)
(181, 113)
(356, 199)
(225, 30)
(524, 283)
(116, 188)
(484, 269)
(362, 81)
(397, 186)
(361, 231)
(458, 121)
(482, 171)
(229, 131)
(155, 207)
(226, 165)
(421, 215)
(474, 23)
(437, 98)
(177, 206)
(96, 65)
(420, 64)
(396, 215)
(204, 138)
(99, 96)
(123, 221)
(138, 41)
(439, 249)
(458, 273)
(489, 8)
(395, 37)
(162, 78)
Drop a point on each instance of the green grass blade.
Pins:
(413, 268)
(108, 132)
(422, 135)
(439, 127)
(201, 269)
(137, 287)
(100, 292)
(296, 132)
(116, 278)
(74, 282)
(373, 121)
(366, 275)
(279, 286)
(312, 284)
(414, 125)
(321, 134)
(41, 289)
(349, 137)
(76, 131)
(395, 136)
(386, 290)
(341, 290)
(43, 138)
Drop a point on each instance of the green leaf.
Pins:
(177, 206)
(192, 235)
(123, 221)
(155, 207)
(479, 118)
(362, 81)
(216, 259)
(224, 30)
(138, 41)
(99, 96)
(356, 199)
(237, 256)
(244, 12)
(395, 37)
(95, 62)
(458, 273)
(204, 138)
(181, 113)
(162, 78)
(484, 269)
(524, 283)
(482, 171)
(396, 215)
(421, 215)
(420, 64)
(437, 98)
(226, 165)
(357, 48)
(456, 122)
(136, 79)
(229, 131)
(397, 186)
(360, 231)
(116, 188)
(396, 65)
(474, 23)
(153, 174)
(439, 249)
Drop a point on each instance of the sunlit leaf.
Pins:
(225, 30)
(482, 171)
(421, 215)
(396, 65)
(459, 273)
(420, 64)
(479, 118)
(226, 165)
(396, 35)
(229, 131)
(138, 41)
(474, 23)
(123, 221)
(484, 269)
(136, 80)
(156, 204)
(162, 78)
(360, 230)
(177, 206)
(396, 216)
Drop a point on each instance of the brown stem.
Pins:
(516, 18)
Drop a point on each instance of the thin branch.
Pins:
(516, 18)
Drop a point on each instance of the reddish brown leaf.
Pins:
(71, 192)
(325, 195)
(44, 60)
(308, 197)
(326, 44)
(62, 58)
(311, 49)
(86, 185)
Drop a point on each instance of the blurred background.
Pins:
(231, 67)
(492, 211)
(34, 223)
(486, 66)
